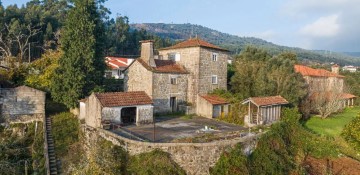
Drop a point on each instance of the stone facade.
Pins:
(194, 158)
(141, 79)
(164, 90)
(95, 112)
(22, 104)
(206, 70)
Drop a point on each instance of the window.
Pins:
(173, 80)
(214, 56)
(214, 79)
(119, 72)
(174, 56)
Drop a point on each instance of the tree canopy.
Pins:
(82, 66)
(257, 73)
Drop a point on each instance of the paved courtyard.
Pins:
(168, 129)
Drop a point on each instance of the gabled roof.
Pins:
(164, 66)
(114, 99)
(117, 62)
(308, 71)
(214, 99)
(194, 42)
(267, 101)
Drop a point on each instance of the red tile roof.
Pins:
(194, 42)
(164, 66)
(347, 96)
(114, 99)
(117, 62)
(308, 71)
(214, 99)
(266, 101)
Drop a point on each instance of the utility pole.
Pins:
(29, 53)
(154, 128)
(26, 171)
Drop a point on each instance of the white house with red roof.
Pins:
(116, 66)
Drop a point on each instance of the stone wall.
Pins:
(93, 111)
(164, 90)
(144, 115)
(138, 78)
(189, 58)
(194, 158)
(208, 68)
(23, 104)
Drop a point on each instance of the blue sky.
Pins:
(310, 24)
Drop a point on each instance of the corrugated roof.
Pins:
(214, 99)
(118, 62)
(265, 101)
(113, 99)
(194, 42)
(308, 71)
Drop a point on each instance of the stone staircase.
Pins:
(51, 149)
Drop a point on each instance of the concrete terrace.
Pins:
(180, 129)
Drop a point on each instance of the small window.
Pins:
(214, 79)
(173, 80)
(174, 56)
(214, 56)
(119, 72)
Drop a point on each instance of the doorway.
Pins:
(173, 104)
(128, 115)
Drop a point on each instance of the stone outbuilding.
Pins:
(212, 106)
(263, 110)
(117, 108)
(22, 104)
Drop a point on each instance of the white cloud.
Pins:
(327, 26)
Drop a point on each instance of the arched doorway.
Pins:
(128, 115)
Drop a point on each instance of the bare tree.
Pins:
(16, 41)
(326, 95)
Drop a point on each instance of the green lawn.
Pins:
(333, 125)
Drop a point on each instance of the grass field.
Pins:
(333, 125)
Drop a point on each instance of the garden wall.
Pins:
(194, 158)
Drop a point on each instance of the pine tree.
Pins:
(82, 66)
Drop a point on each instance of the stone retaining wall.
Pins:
(194, 158)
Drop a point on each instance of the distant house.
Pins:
(116, 66)
(22, 104)
(117, 108)
(349, 68)
(179, 75)
(263, 110)
(325, 84)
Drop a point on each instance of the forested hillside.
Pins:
(236, 44)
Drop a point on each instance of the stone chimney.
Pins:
(335, 69)
(147, 52)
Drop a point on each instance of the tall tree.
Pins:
(82, 66)
(259, 74)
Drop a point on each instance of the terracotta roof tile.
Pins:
(113, 99)
(265, 101)
(164, 66)
(308, 71)
(347, 96)
(214, 99)
(195, 42)
(117, 62)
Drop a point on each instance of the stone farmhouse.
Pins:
(116, 67)
(22, 104)
(321, 81)
(180, 77)
(116, 108)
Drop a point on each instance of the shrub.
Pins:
(65, 131)
(351, 133)
(231, 162)
(155, 162)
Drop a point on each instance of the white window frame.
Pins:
(212, 79)
(174, 56)
(214, 57)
